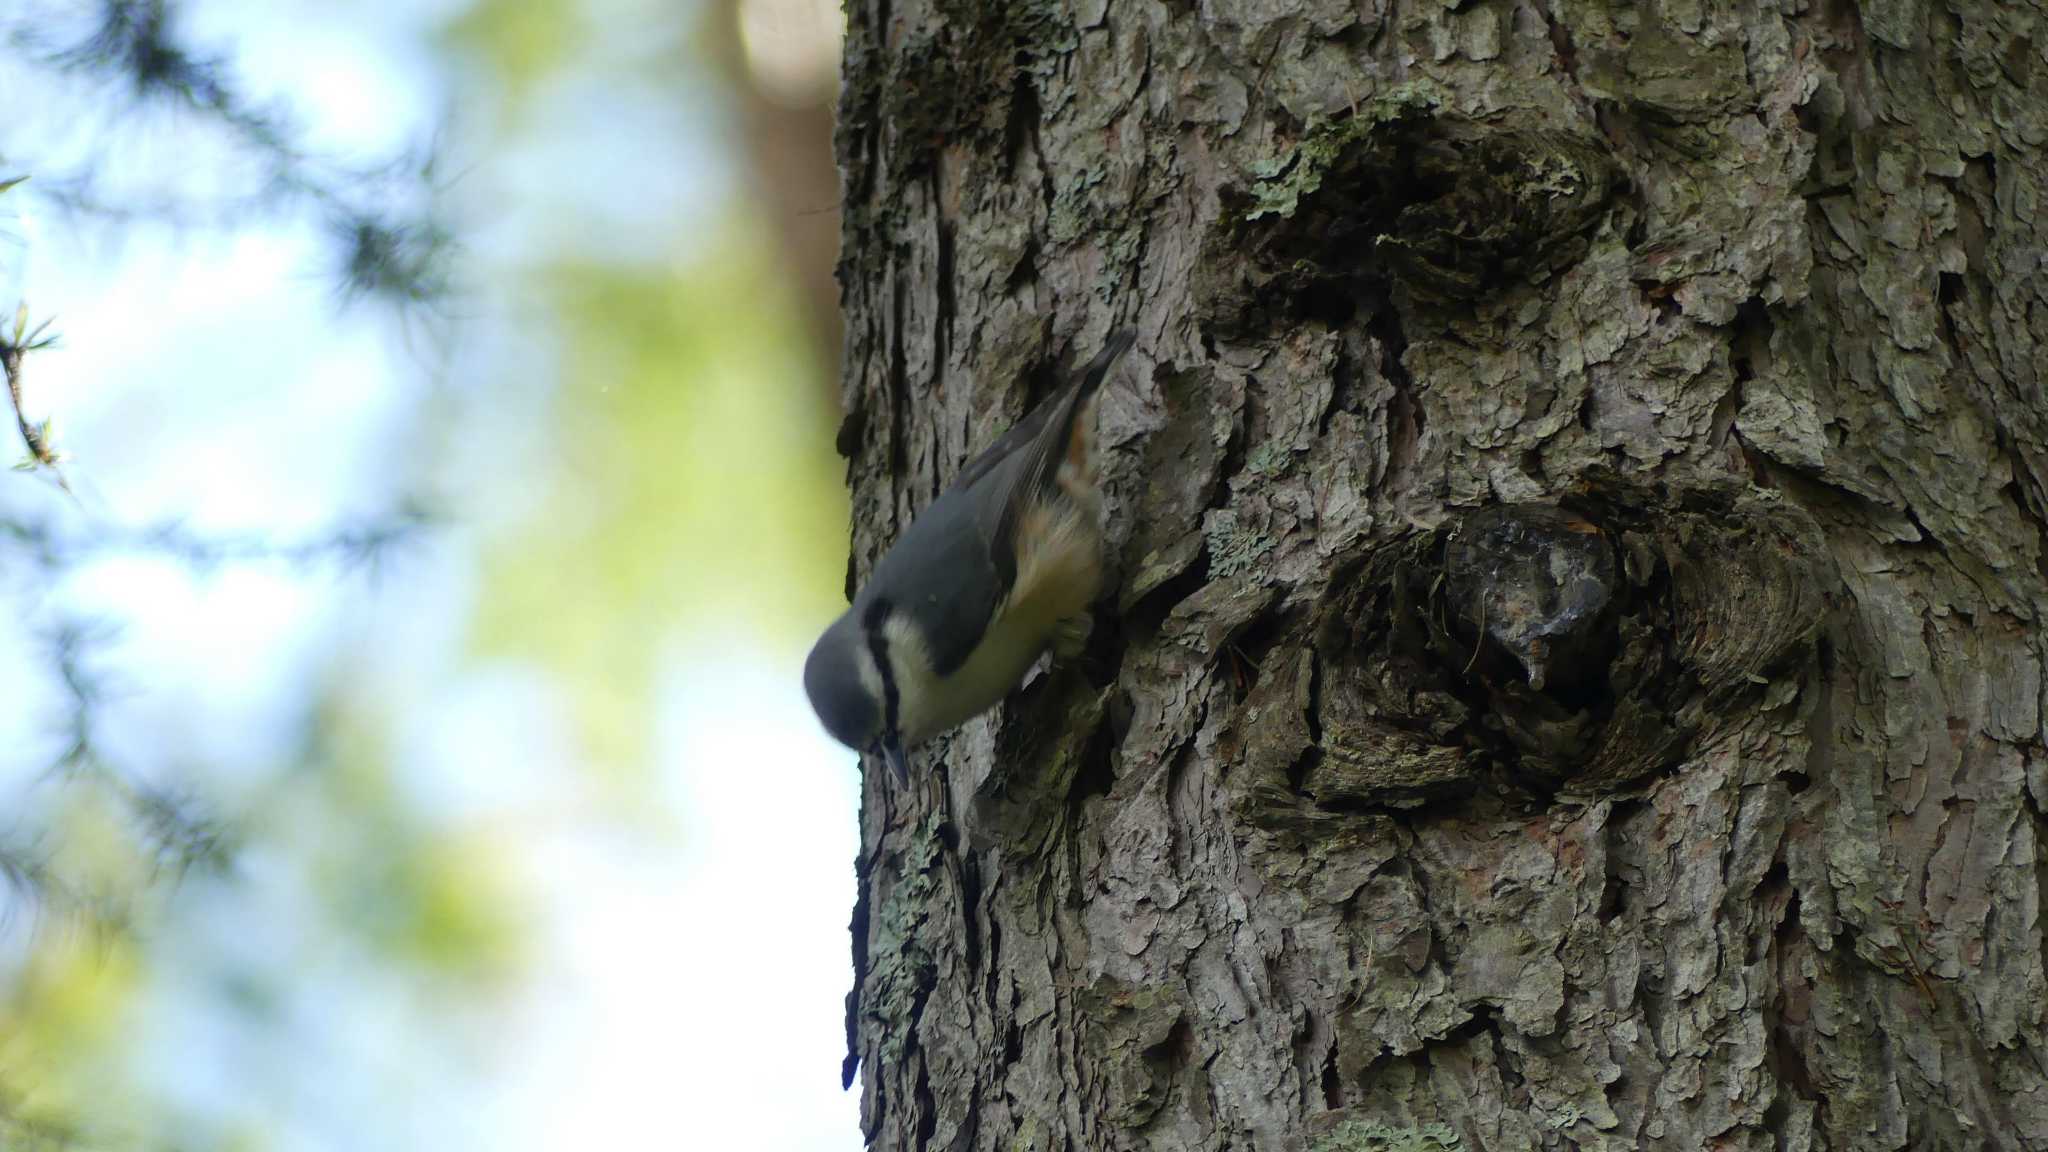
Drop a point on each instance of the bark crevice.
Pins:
(1325, 846)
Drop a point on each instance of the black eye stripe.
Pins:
(878, 647)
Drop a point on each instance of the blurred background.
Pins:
(401, 736)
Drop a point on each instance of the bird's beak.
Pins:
(892, 751)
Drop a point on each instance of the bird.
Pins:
(1002, 567)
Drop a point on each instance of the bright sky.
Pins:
(687, 981)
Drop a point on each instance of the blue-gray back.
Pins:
(956, 562)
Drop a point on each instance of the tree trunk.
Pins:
(1573, 676)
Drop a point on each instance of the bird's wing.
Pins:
(950, 591)
(1026, 433)
(1031, 463)
(966, 540)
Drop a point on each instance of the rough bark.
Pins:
(1574, 673)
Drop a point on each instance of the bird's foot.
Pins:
(1070, 637)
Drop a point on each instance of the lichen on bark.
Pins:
(1745, 299)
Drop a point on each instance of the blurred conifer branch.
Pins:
(169, 829)
(37, 436)
(129, 62)
(383, 214)
(113, 76)
(359, 547)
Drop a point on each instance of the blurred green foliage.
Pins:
(698, 492)
(63, 1077)
(427, 896)
(60, 1031)
(520, 43)
(692, 501)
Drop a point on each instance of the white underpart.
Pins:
(870, 677)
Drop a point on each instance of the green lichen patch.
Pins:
(1374, 1136)
(1234, 546)
(1531, 650)
(958, 80)
(1281, 182)
(1135, 1033)
(1668, 75)
(1269, 459)
(1512, 206)
(901, 967)
(1452, 209)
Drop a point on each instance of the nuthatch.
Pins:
(1003, 566)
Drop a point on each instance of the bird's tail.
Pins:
(1047, 445)
(1119, 342)
(1070, 461)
